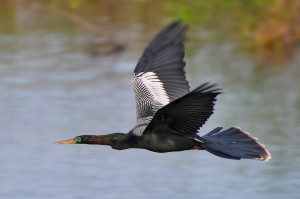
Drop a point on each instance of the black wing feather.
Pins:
(164, 56)
(188, 113)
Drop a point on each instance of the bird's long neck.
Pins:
(117, 141)
(97, 139)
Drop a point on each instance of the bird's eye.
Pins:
(78, 139)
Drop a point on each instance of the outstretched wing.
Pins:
(159, 76)
(188, 113)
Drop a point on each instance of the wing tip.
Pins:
(176, 23)
(172, 34)
(208, 87)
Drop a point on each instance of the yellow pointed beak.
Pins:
(70, 141)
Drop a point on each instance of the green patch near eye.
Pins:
(78, 139)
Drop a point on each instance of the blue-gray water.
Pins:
(51, 89)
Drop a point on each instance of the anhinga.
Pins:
(169, 115)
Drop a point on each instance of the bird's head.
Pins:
(110, 139)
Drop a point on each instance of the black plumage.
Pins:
(168, 114)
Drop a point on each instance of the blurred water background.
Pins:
(65, 70)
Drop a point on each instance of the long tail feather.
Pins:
(234, 143)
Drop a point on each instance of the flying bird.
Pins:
(168, 114)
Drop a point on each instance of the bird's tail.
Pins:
(234, 143)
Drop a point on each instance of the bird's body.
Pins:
(161, 141)
(169, 115)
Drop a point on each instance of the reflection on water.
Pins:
(50, 89)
